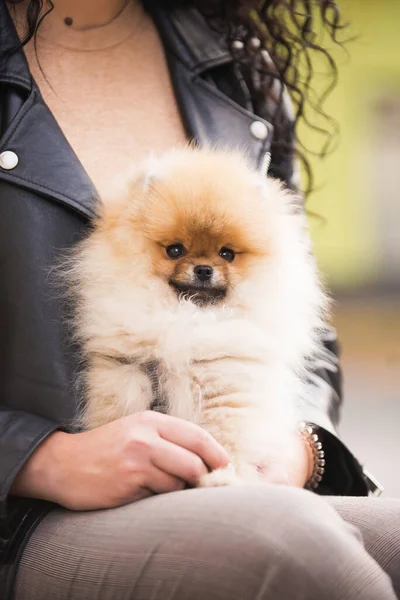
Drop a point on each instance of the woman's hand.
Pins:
(121, 462)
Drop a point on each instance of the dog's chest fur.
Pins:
(159, 377)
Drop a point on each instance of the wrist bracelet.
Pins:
(309, 433)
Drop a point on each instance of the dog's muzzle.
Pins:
(200, 293)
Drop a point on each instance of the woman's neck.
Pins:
(89, 14)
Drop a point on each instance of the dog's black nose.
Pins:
(203, 272)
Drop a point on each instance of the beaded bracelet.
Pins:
(309, 433)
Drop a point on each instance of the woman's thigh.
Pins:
(378, 520)
(237, 543)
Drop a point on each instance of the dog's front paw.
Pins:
(220, 477)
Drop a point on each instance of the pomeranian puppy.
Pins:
(198, 296)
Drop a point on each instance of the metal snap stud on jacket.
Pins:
(237, 45)
(8, 160)
(255, 43)
(259, 130)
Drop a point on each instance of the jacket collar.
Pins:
(189, 37)
(47, 163)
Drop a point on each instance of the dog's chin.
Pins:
(201, 295)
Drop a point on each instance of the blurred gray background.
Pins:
(369, 330)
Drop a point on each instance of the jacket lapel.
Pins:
(193, 50)
(213, 118)
(46, 161)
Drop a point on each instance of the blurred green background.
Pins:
(358, 241)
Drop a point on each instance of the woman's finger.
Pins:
(177, 461)
(161, 482)
(190, 437)
(140, 494)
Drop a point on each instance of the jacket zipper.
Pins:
(265, 163)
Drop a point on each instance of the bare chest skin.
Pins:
(109, 90)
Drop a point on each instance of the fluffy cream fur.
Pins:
(236, 365)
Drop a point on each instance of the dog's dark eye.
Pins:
(227, 254)
(175, 251)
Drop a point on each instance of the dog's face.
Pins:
(202, 224)
(197, 263)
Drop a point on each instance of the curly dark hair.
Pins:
(291, 34)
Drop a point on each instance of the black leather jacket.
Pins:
(46, 203)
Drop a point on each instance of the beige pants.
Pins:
(240, 543)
